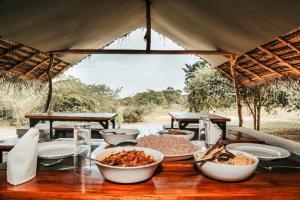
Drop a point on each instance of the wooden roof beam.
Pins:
(37, 66)
(25, 60)
(8, 51)
(45, 73)
(139, 51)
(223, 72)
(261, 65)
(288, 44)
(279, 59)
(248, 71)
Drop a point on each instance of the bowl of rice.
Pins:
(241, 167)
(173, 148)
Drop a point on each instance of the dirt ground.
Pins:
(283, 124)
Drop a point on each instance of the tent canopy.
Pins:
(234, 26)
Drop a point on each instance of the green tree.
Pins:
(207, 90)
(71, 95)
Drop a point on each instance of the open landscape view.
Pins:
(149, 99)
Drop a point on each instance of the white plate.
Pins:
(199, 144)
(262, 151)
(55, 150)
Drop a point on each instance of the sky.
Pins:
(135, 73)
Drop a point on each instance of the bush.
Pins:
(133, 114)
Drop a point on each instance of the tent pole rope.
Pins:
(233, 61)
(148, 25)
(49, 97)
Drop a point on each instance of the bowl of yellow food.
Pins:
(238, 168)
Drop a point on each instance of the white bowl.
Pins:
(225, 172)
(189, 134)
(119, 136)
(120, 174)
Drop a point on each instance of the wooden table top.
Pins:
(173, 180)
(72, 116)
(194, 117)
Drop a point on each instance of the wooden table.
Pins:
(186, 118)
(173, 180)
(102, 118)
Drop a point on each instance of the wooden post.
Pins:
(49, 97)
(148, 25)
(233, 60)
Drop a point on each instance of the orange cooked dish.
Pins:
(128, 159)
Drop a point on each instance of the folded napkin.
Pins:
(214, 134)
(22, 159)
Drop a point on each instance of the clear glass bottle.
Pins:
(207, 130)
(82, 144)
(201, 134)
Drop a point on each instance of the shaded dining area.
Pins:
(197, 155)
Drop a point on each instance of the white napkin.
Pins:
(215, 133)
(22, 159)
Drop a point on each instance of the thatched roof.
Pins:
(26, 62)
(229, 25)
(278, 58)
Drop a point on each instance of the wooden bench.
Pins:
(66, 130)
(231, 135)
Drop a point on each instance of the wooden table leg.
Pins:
(172, 123)
(1, 156)
(223, 128)
(33, 122)
(113, 123)
(51, 129)
(104, 124)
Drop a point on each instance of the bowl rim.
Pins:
(134, 167)
(165, 132)
(232, 151)
(103, 132)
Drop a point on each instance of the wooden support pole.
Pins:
(49, 97)
(45, 73)
(233, 61)
(138, 51)
(148, 25)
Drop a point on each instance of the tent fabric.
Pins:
(235, 26)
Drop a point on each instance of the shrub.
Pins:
(133, 114)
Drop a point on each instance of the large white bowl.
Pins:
(119, 136)
(120, 174)
(189, 134)
(225, 172)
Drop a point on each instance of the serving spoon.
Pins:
(221, 157)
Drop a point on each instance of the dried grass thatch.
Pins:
(277, 60)
(26, 63)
